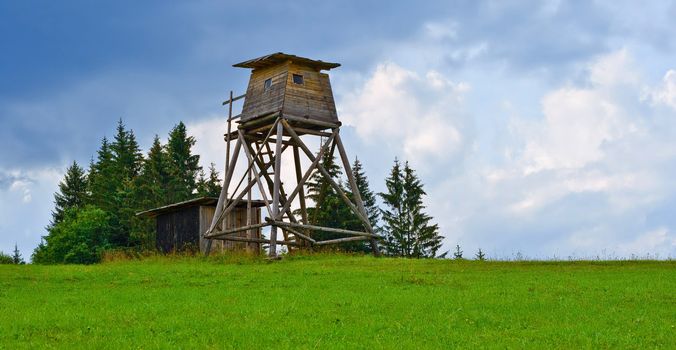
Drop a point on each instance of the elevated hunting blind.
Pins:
(288, 99)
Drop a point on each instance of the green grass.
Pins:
(339, 302)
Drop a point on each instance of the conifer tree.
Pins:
(183, 166)
(150, 192)
(127, 155)
(329, 210)
(16, 257)
(209, 187)
(408, 231)
(72, 192)
(102, 186)
(367, 196)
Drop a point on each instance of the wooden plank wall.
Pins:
(258, 101)
(314, 98)
(180, 229)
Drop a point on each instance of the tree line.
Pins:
(94, 209)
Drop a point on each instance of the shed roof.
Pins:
(280, 57)
(203, 201)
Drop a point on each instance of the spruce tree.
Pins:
(329, 210)
(209, 187)
(150, 192)
(16, 257)
(408, 231)
(183, 166)
(367, 196)
(127, 156)
(102, 186)
(72, 192)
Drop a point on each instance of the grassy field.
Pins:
(339, 302)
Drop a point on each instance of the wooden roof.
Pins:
(203, 201)
(280, 57)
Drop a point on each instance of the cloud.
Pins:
(580, 179)
(421, 114)
(666, 93)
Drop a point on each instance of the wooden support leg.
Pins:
(275, 195)
(355, 190)
(223, 197)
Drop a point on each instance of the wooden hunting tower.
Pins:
(288, 97)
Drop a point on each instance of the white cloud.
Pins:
(666, 94)
(418, 113)
(581, 179)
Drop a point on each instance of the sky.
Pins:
(540, 129)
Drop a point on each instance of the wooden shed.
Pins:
(180, 225)
(291, 85)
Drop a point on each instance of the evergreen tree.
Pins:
(457, 255)
(408, 231)
(329, 210)
(102, 186)
(16, 257)
(149, 192)
(480, 255)
(183, 166)
(393, 216)
(210, 187)
(352, 222)
(72, 192)
(127, 157)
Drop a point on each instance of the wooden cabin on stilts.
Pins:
(288, 100)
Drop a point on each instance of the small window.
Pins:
(268, 84)
(298, 79)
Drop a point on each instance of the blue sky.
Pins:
(545, 128)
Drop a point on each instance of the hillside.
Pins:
(339, 302)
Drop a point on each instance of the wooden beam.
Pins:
(237, 229)
(307, 174)
(301, 184)
(355, 189)
(321, 228)
(253, 240)
(326, 125)
(327, 176)
(277, 184)
(341, 240)
(231, 100)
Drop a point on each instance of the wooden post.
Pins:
(275, 195)
(249, 233)
(328, 178)
(301, 191)
(355, 189)
(223, 198)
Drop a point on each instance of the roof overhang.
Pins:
(280, 57)
(203, 201)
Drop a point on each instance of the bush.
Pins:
(79, 239)
(5, 259)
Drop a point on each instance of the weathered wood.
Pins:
(355, 190)
(224, 194)
(237, 229)
(258, 178)
(310, 121)
(305, 237)
(275, 195)
(327, 176)
(300, 185)
(307, 174)
(231, 100)
(321, 228)
(341, 240)
(254, 240)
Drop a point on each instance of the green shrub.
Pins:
(79, 238)
(5, 259)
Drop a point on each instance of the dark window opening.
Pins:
(268, 84)
(298, 79)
